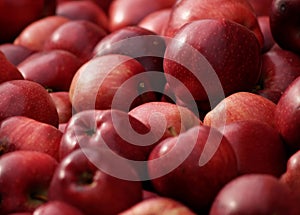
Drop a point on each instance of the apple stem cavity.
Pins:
(172, 130)
(86, 178)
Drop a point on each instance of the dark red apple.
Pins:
(284, 23)
(239, 11)
(121, 132)
(110, 81)
(83, 10)
(287, 115)
(57, 208)
(15, 15)
(53, 69)
(24, 180)
(165, 119)
(257, 146)
(15, 53)
(279, 68)
(292, 174)
(63, 105)
(23, 133)
(36, 33)
(159, 205)
(156, 21)
(192, 167)
(204, 59)
(129, 12)
(27, 98)
(8, 71)
(76, 36)
(241, 106)
(79, 181)
(141, 44)
(254, 194)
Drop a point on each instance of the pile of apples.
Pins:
(139, 107)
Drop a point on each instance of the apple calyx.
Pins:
(5, 146)
(37, 198)
(86, 178)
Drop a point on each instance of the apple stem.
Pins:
(172, 131)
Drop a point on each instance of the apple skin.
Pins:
(264, 24)
(27, 98)
(254, 194)
(156, 21)
(63, 105)
(291, 176)
(177, 119)
(241, 106)
(193, 182)
(85, 10)
(23, 133)
(239, 11)
(36, 171)
(15, 15)
(145, 46)
(76, 36)
(284, 18)
(53, 69)
(81, 130)
(104, 4)
(257, 146)
(36, 33)
(15, 54)
(158, 205)
(129, 12)
(78, 182)
(279, 69)
(261, 7)
(110, 81)
(207, 43)
(287, 115)
(57, 208)
(8, 71)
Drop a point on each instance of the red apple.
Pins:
(15, 53)
(83, 10)
(27, 98)
(159, 205)
(258, 147)
(284, 24)
(254, 194)
(76, 36)
(192, 167)
(110, 81)
(121, 132)
(287, 115)
(139, 43)
(15, 15)
(21, 213)
(129, 12)
(24, 180)
(23, 133)
(80, 182)
(292, 173)
(279, 68)
(165, 119)
(63, 105)
(156, 21)
(104, 4)
(53, 69)
(239, 11)
(8, 71)
(241, 106)
(261, 7)
(204, 59)
(36, 33)
(57, 208)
